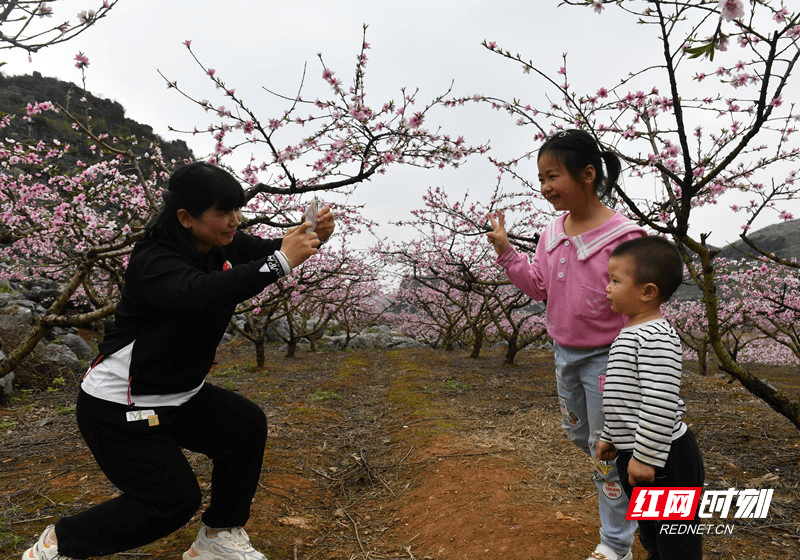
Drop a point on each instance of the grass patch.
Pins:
(305, 414)
(352, 366)
(408, 394)
(456, 386)
(228, 384)
(321, 395)
(408, 391)
(8, 538)
(230, 371)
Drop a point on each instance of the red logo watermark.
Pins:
(663, 503)
(680, 504)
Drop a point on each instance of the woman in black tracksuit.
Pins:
(145, 398)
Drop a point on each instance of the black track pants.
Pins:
(159, 492)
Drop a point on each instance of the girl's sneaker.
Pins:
(227, 545)
(603, 552)
(44, 549)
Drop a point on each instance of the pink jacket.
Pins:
(571, 273)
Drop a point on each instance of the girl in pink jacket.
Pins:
(570, 271)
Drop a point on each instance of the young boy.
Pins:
(643, 425)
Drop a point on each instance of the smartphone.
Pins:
(311, 214)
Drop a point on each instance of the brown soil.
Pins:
(411, 454)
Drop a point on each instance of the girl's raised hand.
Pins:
(498, 237)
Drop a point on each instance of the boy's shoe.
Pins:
(44, 549)
(227, 545)
(603, 552)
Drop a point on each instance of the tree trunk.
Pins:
(477, 345)
(511, 351)
(702, 358)
(291, 347)
(260, 356)
(779, 402)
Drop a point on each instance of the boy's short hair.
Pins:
(656, 261)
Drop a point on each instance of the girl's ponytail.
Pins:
(613, 168)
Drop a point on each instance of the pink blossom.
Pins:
(731, 9)
(211, 72)
(598, 6)
(327, 75)
(780, 15)
(87, 17)
(82, 61)
(777, 102)
(416, 120)
(188, 43)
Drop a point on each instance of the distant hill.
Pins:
(107, 116)
(782, 239)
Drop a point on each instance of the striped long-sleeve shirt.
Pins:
(641, 402)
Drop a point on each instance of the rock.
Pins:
(60, 357)
(278, 330)
(7, 385)
(7, 381)
(401, 343)
(331, 342)
(21, 313)
(78, 345)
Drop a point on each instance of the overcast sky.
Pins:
(425, 44)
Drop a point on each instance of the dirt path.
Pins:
(410, 454)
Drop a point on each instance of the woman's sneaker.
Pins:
(44, 549)
(227, 545)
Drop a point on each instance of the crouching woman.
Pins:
(145, 399)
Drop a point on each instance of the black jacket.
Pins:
(177, 303)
